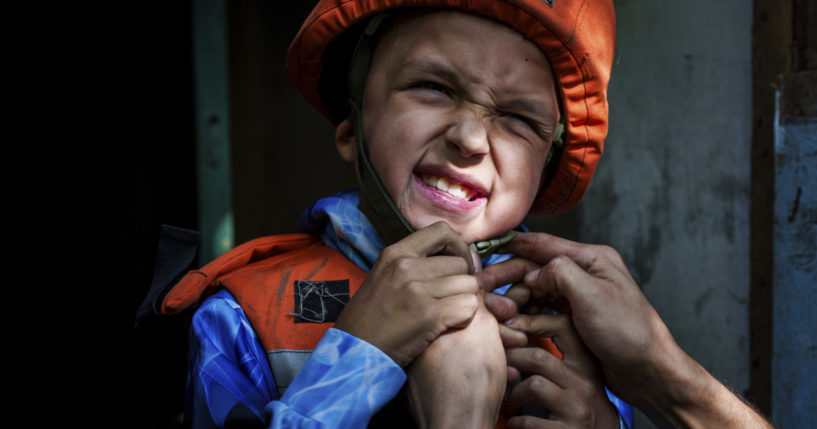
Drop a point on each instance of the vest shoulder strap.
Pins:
(291, 287)
(200, 283)
(175, 255)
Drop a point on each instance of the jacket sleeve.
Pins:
(626, 417)
(343, 383)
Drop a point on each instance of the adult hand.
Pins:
(607, 308)
(417, 289)
(640, 360)
(570, 388)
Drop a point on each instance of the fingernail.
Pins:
(510, 321)
(531, 276)
(477, 262)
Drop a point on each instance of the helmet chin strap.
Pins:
(375, 200)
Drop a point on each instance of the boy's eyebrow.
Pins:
(521, 104)
(425, 65)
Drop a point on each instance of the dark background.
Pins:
(104, 153)
(103, 150)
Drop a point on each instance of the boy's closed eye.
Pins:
(431, 92)
(432, 86)
(520, 120)
(524, 125)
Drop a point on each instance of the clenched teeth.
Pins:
(454, 189)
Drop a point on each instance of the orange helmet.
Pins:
(576, 36)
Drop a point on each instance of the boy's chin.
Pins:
(468, 233)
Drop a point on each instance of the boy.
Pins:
(450, 119)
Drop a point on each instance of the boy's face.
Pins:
(458, 116)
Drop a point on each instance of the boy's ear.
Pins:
(345, 141)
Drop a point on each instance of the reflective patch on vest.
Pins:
(285, 364)
(320, 301)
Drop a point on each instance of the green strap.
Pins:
(487, 247)
(387, 218)
(558, 141)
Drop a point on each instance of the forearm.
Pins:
(688, 396)
(343, 383)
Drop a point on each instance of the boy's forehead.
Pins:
(456, 45)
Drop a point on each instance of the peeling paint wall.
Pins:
(672, 190)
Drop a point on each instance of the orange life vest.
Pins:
(262, 275)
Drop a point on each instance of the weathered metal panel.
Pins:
(794, 331)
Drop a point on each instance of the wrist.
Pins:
(664, 381)
(682, 387)
(688, 396)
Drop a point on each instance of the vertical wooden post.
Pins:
(770, 38)
(212, 98)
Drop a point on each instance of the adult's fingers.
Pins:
(562, 276)
(536, 360)
(511, 337)
(538, 390)
(560, 328)
(532, 422)
(501, 307)
(513, 375)
(519, 294)
(542, 248)
(533, 301)
(510, 271)
(435, 239)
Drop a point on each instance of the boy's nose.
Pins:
(468, 134)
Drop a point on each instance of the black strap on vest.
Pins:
(176, 255)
